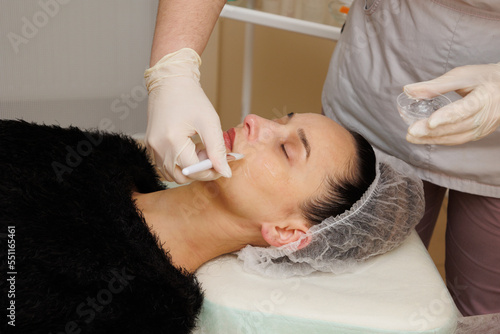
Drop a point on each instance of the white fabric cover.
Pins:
(398, 292)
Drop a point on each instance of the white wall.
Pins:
(81, 62)
(76, 62)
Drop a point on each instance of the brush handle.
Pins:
(207, 164)
(199, 167)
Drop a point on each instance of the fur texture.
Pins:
(86, 261)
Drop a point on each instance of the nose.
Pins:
(259, 128)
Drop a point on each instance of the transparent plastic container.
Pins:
(412, 110)
(338, 10)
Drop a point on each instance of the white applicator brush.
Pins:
(207, 164)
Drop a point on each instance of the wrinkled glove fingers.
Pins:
(460, 78)
(455, 139)
(178, 177)
(213, 140)
(457, 111)
(421, 130)
(185, 157)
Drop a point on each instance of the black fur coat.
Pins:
(84, 259)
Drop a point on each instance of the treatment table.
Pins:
(398, 292)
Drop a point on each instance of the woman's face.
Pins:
(285, 162)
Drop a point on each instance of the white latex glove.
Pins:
(471, 118)
(178, 109)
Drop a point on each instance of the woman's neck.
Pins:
(193, 225)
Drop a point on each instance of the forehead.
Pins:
(332, 146)
(328, 137)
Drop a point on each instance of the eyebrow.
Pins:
(305, 142)
(303, 138)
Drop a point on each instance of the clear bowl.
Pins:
(412, 109)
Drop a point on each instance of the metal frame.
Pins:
(252, 17)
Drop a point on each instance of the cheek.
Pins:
(268, 173)
(258, 177)
(271, 171)
(262, 176)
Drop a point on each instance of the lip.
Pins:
(229, 136)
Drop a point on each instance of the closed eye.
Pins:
(284, 150)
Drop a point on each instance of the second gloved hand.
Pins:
(178, 109)
(471, 118)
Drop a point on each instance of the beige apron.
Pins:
(387, 44)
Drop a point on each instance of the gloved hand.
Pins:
(178, 109)
(471, 118)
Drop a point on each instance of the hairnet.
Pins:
(377, 223)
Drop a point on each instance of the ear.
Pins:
(276, 234)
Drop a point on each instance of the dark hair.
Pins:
(340, 194)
